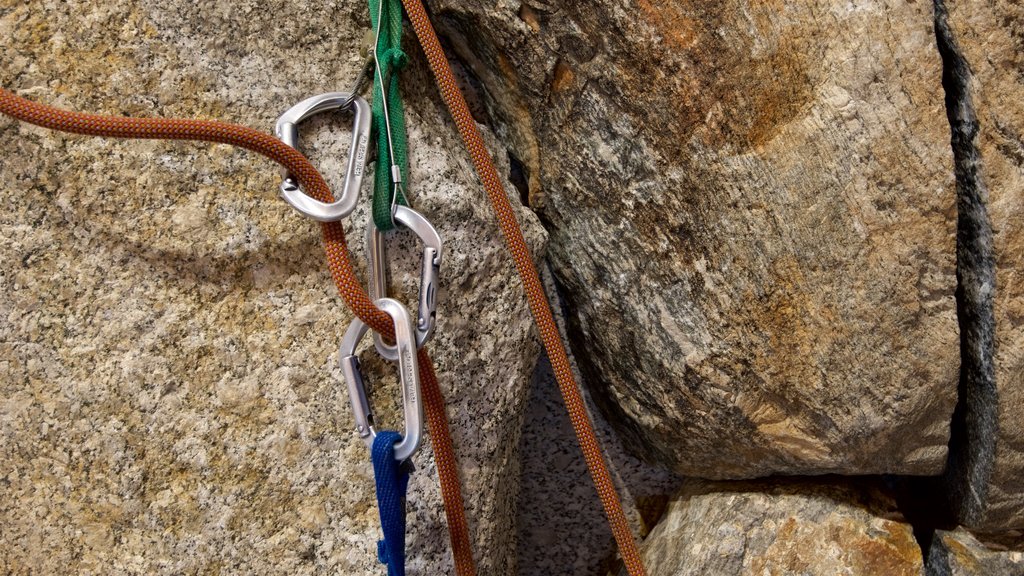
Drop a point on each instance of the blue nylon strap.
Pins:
(392, 478)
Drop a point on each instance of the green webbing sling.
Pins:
(391, 60)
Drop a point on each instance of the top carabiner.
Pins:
(287, 129)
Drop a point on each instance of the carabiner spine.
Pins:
(409, 377)
(376, 260)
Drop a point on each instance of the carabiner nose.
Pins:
(287, 129)
(430, 271)
(409, 377)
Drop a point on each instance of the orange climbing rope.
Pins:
(349, 287)
(531, 282)
(352, 290)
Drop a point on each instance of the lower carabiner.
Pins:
(408, 372)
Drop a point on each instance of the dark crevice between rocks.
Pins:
(959, 495)
(477, 62)
(923, 502)
(481, 103)
(973, 434)
(519, 176)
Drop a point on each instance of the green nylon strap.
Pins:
(391, 60)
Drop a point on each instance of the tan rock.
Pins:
(169, 396)
(959, 553)
(983, 45)
(752, 215)
(782, 528)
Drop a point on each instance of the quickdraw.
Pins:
(391, 453)
(304, 188)
(391, 478)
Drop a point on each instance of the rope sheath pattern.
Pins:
(546, 326)
(349, 287)
(213, 131)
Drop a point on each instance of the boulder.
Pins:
(782, 527)
(752, 214)
(959, 553)
(170, 400)
(983, 46)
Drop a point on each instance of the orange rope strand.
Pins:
(349, 287)
(531, 283)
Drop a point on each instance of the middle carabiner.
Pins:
(408, 372)
(287, 129)
(430, 271)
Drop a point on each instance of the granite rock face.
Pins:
(562, 527)
(782, 528)
(169, 396)
(752, 213)
(983, 46)
(959, 553)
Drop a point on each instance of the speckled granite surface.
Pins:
(562, 528)
(169, 400)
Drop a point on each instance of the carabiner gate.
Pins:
(409, 378)
(430, 270)
(287, 129)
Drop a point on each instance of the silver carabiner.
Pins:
(287, 129)
(409, 378)
(430, 271)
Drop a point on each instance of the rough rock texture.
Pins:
(959, 553)
(562, 528)
(752, 214)
(782, 528)
(983, 47)
(169, 397)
